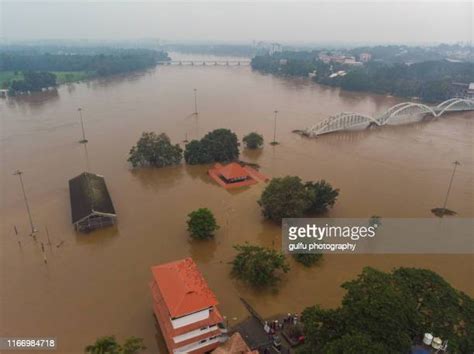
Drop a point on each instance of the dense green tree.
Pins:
(33, 81)
(390, 309)
(322, 195)
(356, 343)
(259, 266)
(253, 140)
(155, 150)
(308, 259)
(109, 345)
(133, 345)
(195, 153)
(222, 145)
(284, 197)
(202, 224)
(219, 145)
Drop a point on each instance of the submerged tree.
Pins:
(289, 197)
(202, 224)
(284, 197)
(308, 259)
(155, 150)
(259, 266)
(219, 145)
(109, 345)
(253, 140)
(322, 196)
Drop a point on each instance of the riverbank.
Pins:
(62, 77)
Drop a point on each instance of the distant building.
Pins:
(283, 61)
(275, 48)
(352, 61)
(186, 309)
(336, 74)
(234, 175)
(91, 206)
(324, 58)
(462, 90)
(365, 57)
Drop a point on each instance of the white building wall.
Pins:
(195, 333)
(193, 346)
(188, 319)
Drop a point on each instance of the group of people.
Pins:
(274, 326)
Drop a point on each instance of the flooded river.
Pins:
(97, 284)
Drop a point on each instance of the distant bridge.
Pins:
(206, 62)
(401, 113)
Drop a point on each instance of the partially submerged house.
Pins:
(234, 345)
(91, 206)
(233, 175)
(186, 308)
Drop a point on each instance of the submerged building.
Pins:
(233, 175)
(185, 308)
(235, 344)
(91, 205)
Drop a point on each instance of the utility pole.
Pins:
(274, 142)
(84, 140)
(19, 174)
(456, 164)
(195, 103)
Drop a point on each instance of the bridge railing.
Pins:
(395, 114)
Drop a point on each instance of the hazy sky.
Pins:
(309, 21)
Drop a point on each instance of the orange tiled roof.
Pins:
(234, 345)
(233, 170)
(183, 287)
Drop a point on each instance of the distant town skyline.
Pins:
(420, 22)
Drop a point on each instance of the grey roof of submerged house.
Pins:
(89, 195)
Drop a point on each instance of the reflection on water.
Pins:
(97, 284)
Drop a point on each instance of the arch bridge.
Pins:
(401, 113)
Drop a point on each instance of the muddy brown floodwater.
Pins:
(97, 284)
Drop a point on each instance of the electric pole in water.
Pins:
(84, 140)
(195, 103)
(19, 173)
(274, 142)
(456, 164)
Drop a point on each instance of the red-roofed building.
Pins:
(185, 308)
(233, 175)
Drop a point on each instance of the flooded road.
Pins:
(97, 284)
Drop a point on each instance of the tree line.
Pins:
(38, 68)
(428, 80)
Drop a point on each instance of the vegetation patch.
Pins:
(155, 150)
(258, 266)
(385, 312)
(219, 145)
(202, 224)
(289, 197)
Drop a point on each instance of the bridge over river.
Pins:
(405, 112)
(206, 62)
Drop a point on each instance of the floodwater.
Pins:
(97, 284)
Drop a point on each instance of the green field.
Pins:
(7, 76)
(61, 77)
